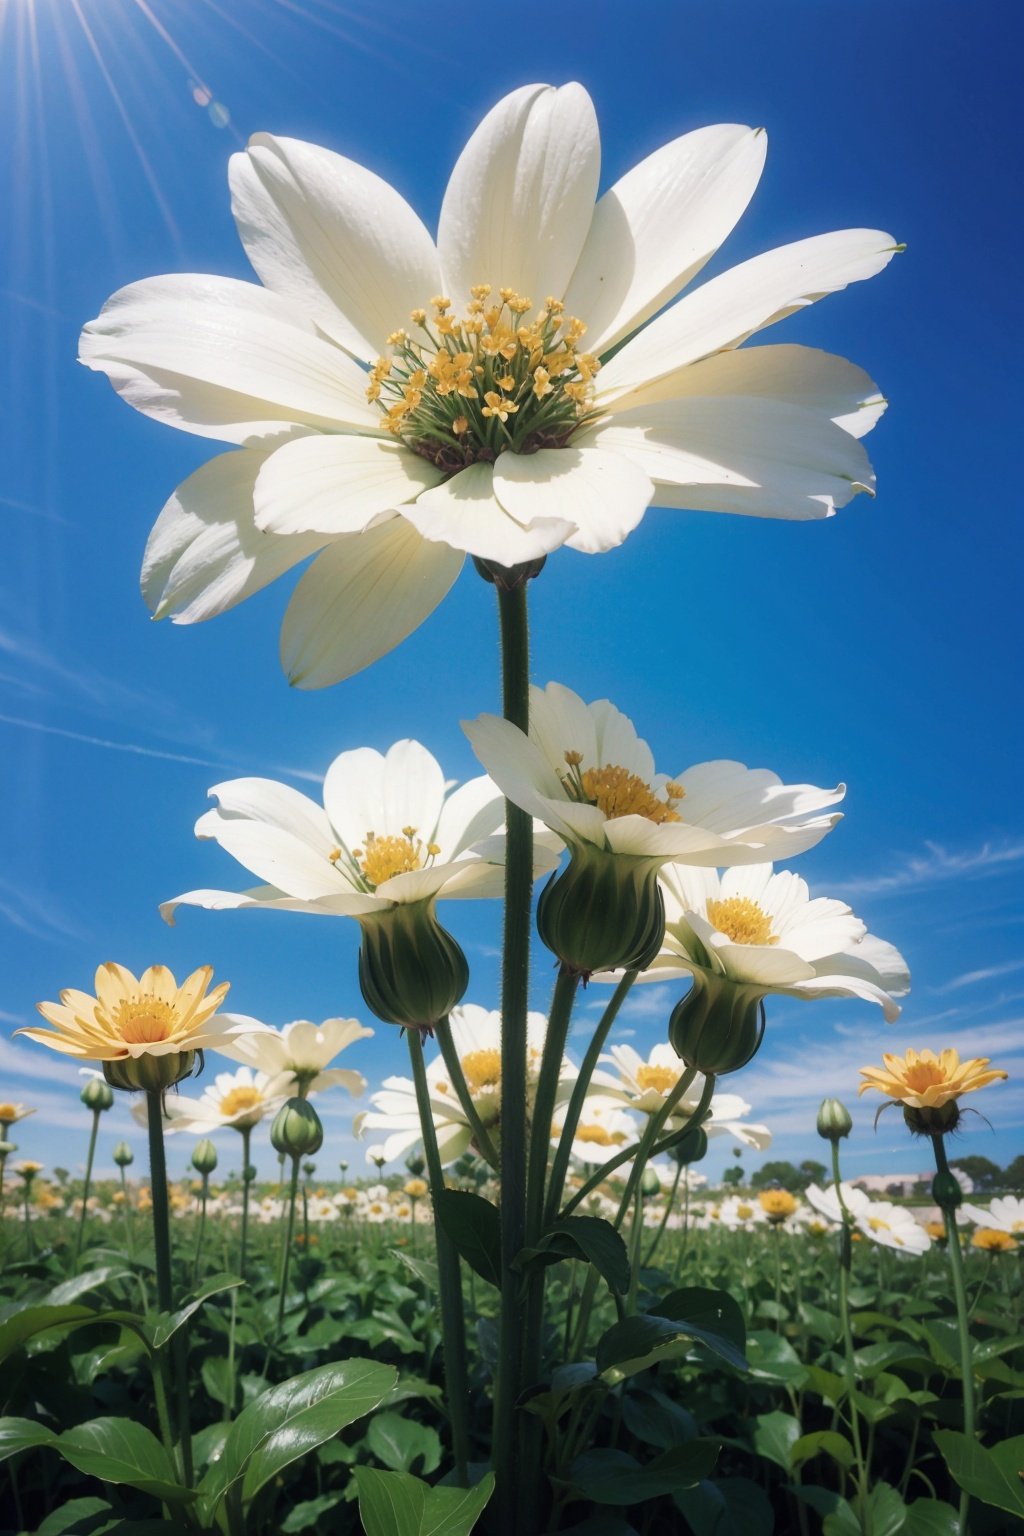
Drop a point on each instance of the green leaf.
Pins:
(401, 1443)
(772, 1358)
(21, 1435)
(309, 1513)
(613, 1477)
(122, 1451)
(589, 1238)
(395, 1504)
(775, 1435)
(930, 1517)
(73, 1517)
(168, 1323)
(81, 1285)
(218, 1379)
(655, 1419)
(291, 1419)
(424, 1269)
(888, 1511)
(735, 1506)
(992, 1476)
(474, 1226)
(822, 1442)
(838, 1516)
(638, 1342)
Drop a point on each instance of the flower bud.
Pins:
(151, 1073)
(123, 1155)
(249, 1174)
(717, 1026)
(415, 1163)
(603, 912)
(411, 971)
(691, 1147)
(296, 1131)
(7, 1147)
(97, 1095)
(204, 1157)
(309, 1168)
(834, 1120)
(946, 1191)
(650, 1184)
(938, 1121)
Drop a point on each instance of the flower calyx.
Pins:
(719, 1025)
(412, 972)
(603, 912)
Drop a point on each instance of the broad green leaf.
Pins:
(654, 1419)
(822, 1442)
(402, 1443)
(424, 1269)
(288, 1420)
(775, 1435)
(930, 1517)
(167, 1324)
(122, 1451)
(473, 1225)
(994, 1476)
(613, 1477)
(455, 1511)
(773, 1359)
(888, 1511)
(589, 1238)
(734, 1506)
(838, 1518)
(638, 1342)
(395, 1504)
(218, 1379)
(74, 1517)
(22, 1435)
(81, 1285)
(308, 1515)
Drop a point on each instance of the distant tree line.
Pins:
(986, 1175)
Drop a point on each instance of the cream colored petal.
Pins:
(604, 494)
(360, 598)
(270, 898)
(465, 513)
(336, 484)
(367, 792)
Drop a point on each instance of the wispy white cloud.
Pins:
(939, 864)
(36, 914)
(986, 973)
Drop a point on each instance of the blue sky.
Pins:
(878, 648)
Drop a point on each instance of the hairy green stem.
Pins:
(88, 1181)
(956, 1265)
(201, 1229)
(286, 1252)
(246, 1132)
(845, 1262)
(649, 1255)
(164, 1281)
(481, 1136)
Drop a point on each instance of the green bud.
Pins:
(946, 1191)
(650, 1184)
(932, 1122)
(411, 971)
(7, 1147)
(153, 1074)
(309, 1169)
(717, 1026)
(123, 1155)
(296, 1131)
(343, 1165)
(204, 1157)
(249, 1174)
(603, 912)
(97, 1095)
(691, 1147)
(834, 1120)
(414, 1162)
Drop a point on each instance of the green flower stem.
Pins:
(515, 669)
(563, 1152)
(88, 1181)
(636, 1237)
(777, 1250)
(559, 1017)
(453, 1327)
(246, 1133)
(126, 1207)
(29, 1239)
(164, 1284)
(286, 1251)
(481, 1136)
(956, 1265)
(664, 1216)
(845, 1262)
(202, 1228)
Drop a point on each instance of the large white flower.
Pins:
(585, 773)
(388, 834)
(397, 403)
(238, 1100)
(763, 930)
(1004, 1214)
(893, 1226)
(476, 1035)
(603, 1129)
(301, 1053)
(645, 1085)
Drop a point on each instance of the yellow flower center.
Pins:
(661, 1079)
(744, 1212)
(8, 1111)
(482, 1069)
(600, 1136)
(144, 1020)
(238, 1099)
(878, 1225)
(617, 792)
(922, 1076)
(741, 920)
(384, 857)
(993, 1241)
(777, 1202)
(504, 376)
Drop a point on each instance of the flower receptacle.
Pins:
(412, 972)
(717, 1027)
(603, 912)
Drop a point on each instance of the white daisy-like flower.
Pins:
(1004, 1214)
(737, 1211)
(584, 772)
(603, 1129)
(826, 1201)
(893, 1226)
(301, 1053)
(389, 834)
(237, 1100)
(397, 403)
(645, 1085)
(476, 1036)
(763, 931)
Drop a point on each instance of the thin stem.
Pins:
(515, 670)
(636, 1237)
(574, 1108)
(246, 1132)
(664, 1216)
(644, 1149)
(286, 1252)
(126, 1207)
(481, 1136)
(956, 1265)
(845, 1262)
(201, 1229)
(85, 1188)
(164, 1284)
(453, 1330)
(546, 1095)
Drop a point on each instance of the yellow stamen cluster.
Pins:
(8, 1112)
(926, 1081)
(502, 376)
(741, 920)
(661, 1079)
(777, 1204)
(144, 1020)
(384, 857)
(617, 792)
(482, 1069)
(236, 1100)
(416, 1189)
(600, 1136)
(991, 1241)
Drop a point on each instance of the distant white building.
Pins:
(906, 1183)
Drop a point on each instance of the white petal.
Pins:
(473, 811)
(656, 227)
(205, 554)
(762, 458)
(731, 307)
(277, 805)
(804, 376)
(360, 598)
(333, 238)
(224, 359)
(365, 792)
(274, 855)
(270, 898)
(517, 766)
(337, 484)
(605, 494)
(465, 513)
(521, 196)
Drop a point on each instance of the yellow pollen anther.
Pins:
(334, 855)
(239, 1099)
(433, 849)
(482, 1068)
(741, 920)
(8, 1111)
(440, 303)
(385, 857)
(878, 1225)
(460, 425)
(617, 792)
(480, 290)
(144, 1020)
(418, 316)
(574, 759)
(661, 1079)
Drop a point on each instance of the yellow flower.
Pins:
(926, 1081)
(415, 1188)
(143, 1030)
(11, 1113)
(936, 1230)
(777, 1204)
(991, 1241)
